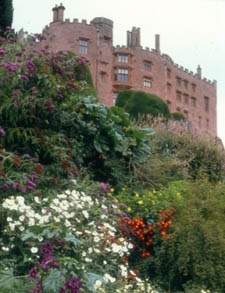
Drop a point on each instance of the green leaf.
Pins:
(91, 279)
(7, 279)
(28, 236)
(54, 281)
(71, 238)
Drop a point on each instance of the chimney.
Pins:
(61, 9)
(199, 71)
(129, 38)
(55, 13)
(157, 43)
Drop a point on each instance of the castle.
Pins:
(132, 67)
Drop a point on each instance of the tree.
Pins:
(6, 13)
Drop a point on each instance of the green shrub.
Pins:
(177, 116)
(123, 97)
(195, 253)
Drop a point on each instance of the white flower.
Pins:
(9, 219)
(97, 284)
(36, 199)
(90, 250)
(12, 226)
(5, 248)
(21, 218)
(108, 278)
(34, 249)
(87, 259)
(96, 239)
(21, 228)
(85, 213)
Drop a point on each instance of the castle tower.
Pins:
(104, 28)
(199, 72)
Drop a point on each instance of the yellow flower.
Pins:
(112, 190)
(153, 202)
(123, 189)
(116, 200)
(129, 209)
(140, 201)
(136, 194)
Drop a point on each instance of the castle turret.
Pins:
(199, 72)
(104, 27)
(55, 13)
(134, 38)
(58, 13)
(61, 9)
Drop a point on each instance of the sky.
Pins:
(192, 32)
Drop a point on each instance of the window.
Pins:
(185, 99)
(106, 40)
(122, 74)
(186, 114)
(178, 109)
(168, 73)
(207, 123)
(193, 85)
(103, 75)
(200, 121)
(169, 86)
(147, 82)
(178, 81)
(83, 46)
(206, 102)
(123, 58)
(186, 84)
(193, 101)
(147, 65)
(178, 96)
(115, 95)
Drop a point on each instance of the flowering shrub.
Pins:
(68, 243)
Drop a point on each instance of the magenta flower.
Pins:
(33, 274)
(46, 248)
(5, 187)
(73, 284)
(2, 131)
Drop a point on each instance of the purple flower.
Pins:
(46, 248)
(12, 67)
(104, 187)
(33, 274)
(27, 156)
(48, 262)
(34, 176)
(124, 206)
(24, 77)
(73, 284)
(31, 183)
(48, 210)
(15, 185)
(2, 51)
(5, 187)
(29, 65)
(34, 90)
(2, 131)
(8, 28)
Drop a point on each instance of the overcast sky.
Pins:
(192, 31)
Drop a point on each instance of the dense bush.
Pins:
(177, 116)
(6, 12)
(179, 152)
(140, 103)
(195, 253)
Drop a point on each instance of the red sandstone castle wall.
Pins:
(164, 74)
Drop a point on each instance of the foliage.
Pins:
(177, 116)
(179, 152)
(194, 255)
(123, 97)
(52, 136)
(63, 241)
(140, 103)
(6, 12)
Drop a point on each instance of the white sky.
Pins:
(192, 31)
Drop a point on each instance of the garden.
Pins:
(92, 200)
